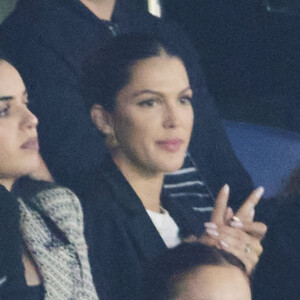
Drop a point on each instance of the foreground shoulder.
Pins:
(48, 196)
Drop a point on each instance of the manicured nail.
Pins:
(212, 232)
(259, 192)
(229, 210)
(210, 225)
(236, 224)
(224, 244)
(226, 188)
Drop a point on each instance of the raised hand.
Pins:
(237, 234)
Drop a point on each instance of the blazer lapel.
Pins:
(188, 221)
(141, 229)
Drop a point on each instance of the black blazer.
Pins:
(121, 237)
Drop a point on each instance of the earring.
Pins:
(111, 141)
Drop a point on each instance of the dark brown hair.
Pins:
(165, 273)
(107, 71)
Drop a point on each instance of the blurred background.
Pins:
(249, 50)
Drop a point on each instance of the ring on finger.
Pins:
(235, 219)
(247, 249)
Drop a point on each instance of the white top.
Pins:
(166, 227)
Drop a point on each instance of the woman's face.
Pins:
(18, 134)
(153, 117)
(214, 283)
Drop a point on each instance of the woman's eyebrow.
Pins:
(186, 90)
(6, 98)
(146, 92)
(157, 93)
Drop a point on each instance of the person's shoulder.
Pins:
(287, 206)
(37, 191)
(284, 229)
(28, 187)
(289, 211)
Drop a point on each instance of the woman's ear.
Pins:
(102, 119)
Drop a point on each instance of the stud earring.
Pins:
(111, 141)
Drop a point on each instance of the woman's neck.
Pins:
(102, 9)
(146, 185)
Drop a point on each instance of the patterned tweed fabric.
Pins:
(52, 227)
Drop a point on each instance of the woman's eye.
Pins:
(4, 111)
(148, 103)
(185, 100)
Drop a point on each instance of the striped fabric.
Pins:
(52, 229)
(186, 186)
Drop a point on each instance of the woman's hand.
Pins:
(238, 234)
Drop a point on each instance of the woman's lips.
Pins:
(31, 144)
(170, 145)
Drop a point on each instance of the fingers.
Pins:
(190, 239)
(237, 242)
(239, 238)
(244, 252)
(219, 211)
(229, 214)
(246, 211)
(255, 229)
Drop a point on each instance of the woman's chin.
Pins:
(172, 167)
(32, 167)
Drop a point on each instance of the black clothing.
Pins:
(48, 41)
(121, 237)
(277, 275)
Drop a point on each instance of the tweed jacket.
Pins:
(51, 223)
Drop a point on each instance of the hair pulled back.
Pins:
(107, 71)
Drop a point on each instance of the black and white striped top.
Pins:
(187, 185)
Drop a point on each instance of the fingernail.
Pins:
(224, 244)
(226, 188)
(259, 192)
(210, 225)
(229, 210)
(236, 224)
(252, 213)
(212, 232)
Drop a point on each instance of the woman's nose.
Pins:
(29, 120)
(171, 117)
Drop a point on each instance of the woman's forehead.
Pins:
(11, 83)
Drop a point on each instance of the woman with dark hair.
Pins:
(43, 253)
(61, 35)
(139, 96)
(193, 271)
(278, 273)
